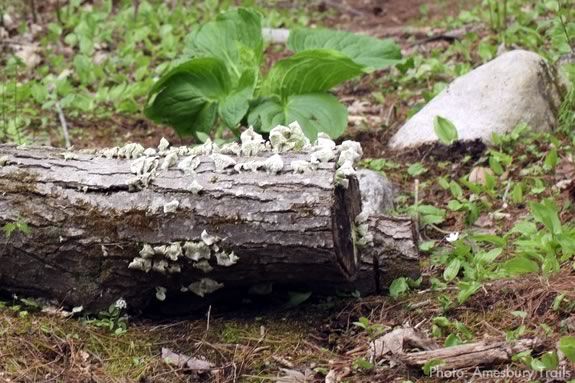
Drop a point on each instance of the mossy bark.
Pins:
(87, 225)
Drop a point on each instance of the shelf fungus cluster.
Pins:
(254, 154)
(204, 255)
(282, 139)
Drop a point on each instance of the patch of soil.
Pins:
(370, 15)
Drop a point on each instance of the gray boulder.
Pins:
(518, 86)
(376, 192)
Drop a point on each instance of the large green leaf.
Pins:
(187, 97)
(315, 112)
(236, 105)
(309, 72)
(365, 50)
(234, 37)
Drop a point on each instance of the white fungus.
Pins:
(164, 145)
(222, 161)
(171, 206)
(195, 187)
(205, 286)
(174, 251)
(170, 160)
(301, 166)
(231, 148)
(226, 259)
(140, 264)
(252, 142)
(196, 250)
(286, 138)
(274, 164)
(147, 251)
(161, 293)
(204, 266)
(160, 266)
(209, 239)
(189, 164)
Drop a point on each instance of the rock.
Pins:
(518, 86)
(376, 192)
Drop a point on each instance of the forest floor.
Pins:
(305, 341)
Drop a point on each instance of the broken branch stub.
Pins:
(140, 223)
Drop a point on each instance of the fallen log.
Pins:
(137, 224)
(469, 355)
(396, 346)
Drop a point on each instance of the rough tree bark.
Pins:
(88, 224)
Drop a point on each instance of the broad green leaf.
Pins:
(297, 298)
(416, 169)
(445, 130)
(466, 290)
(236, 105)
(488, 256)
(547, 214)
(520, 265)
(234, 37)
(315, 112)
(368, 51)
(550, 360)
(452, 270)
(567, 347)
(187, 97)
(452, 340)
(398, 287)
(310, 71)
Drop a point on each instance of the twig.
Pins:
(416, 204)
(208, 320)
(64, 125)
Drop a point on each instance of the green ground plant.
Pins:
(223, 82)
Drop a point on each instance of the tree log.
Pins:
(90, 220)
(469, 355)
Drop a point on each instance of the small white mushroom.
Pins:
(140, 264)
(204, 266)
(301, 166)
(205, 286)
(274, 164)
(160, 266)
(171, 206)
(286, 138)
(174, 268)
(189, 164)
(226, 259)
(69, 156)
(204, 149)
(195, 187)
(4, 160)
(164, 145)
(174, 251)
(150, 152)
(324, 141)
(161, 293)
(109, 152)
(147, 251)
(170, 160)
(222, 161)
(322, 155)
(252, 142)
(196, 250)
(209, 239)
(231, 148)
(160, 250)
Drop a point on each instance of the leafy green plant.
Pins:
(445, 130)
(112, 319)
(567, 347)
(17, 226)
(220, 80)
(541, 248)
